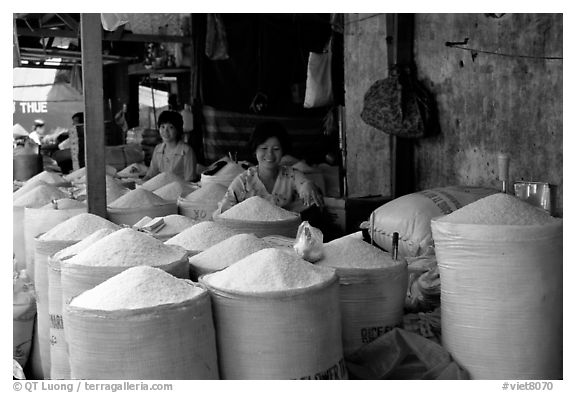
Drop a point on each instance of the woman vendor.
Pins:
(279, 184)
(172, 155)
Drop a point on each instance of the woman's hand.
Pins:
(311, 195)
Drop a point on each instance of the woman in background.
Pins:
(172, 155)
(281, 185)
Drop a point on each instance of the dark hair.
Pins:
(269, 129)
(80, 116)
(173, 118)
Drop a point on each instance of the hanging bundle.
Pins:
(399, 105)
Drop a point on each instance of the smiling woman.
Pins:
(281, 185)
(172, 155)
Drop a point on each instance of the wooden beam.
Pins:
(69, 21)
(106, 36)
(94, 138)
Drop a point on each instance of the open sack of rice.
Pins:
(142, 324)
(164, 228)
(222, 172)
(277, 317)
(54, 178)
(410, 216)
(114, 190)
(59, 359)
(500, 263)
(201, 236)
(372, 289)
(200, 204)
(34, 197)
(174, 190)
(38, 220)
(160, 180)
(224, 254)
(79, 175)
(258, 216)
(137, 204)
(63, 235)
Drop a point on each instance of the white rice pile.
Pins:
(127, 247)
(348, 252)
(267, 270)
(39, 196)
(500, 209)
(114, 189)
(170, 191)
(28, 186)
(231, 169)
(63, 204)
(139, 197)
(78, 227)
(228, 252)
(211, 192)
(83, 244)
(49, 177)
(135, 288)
(79, 175)
(160, 180)
(202, 236)
(257, 209)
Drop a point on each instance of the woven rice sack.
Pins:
(41, 220)
(59, 359)
(410, 216)
(35, 197)
(276, 317)
(260, 217)
(142, 324)
(500, 263)
(372, 289)
(224, 176)
(174, 190)
(59, 237)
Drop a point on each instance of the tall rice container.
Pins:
(142, 324)
(61, 236)
(372, 289)
(277, 317)
(33, 197)
(59, 359)
(500, 262)
(41, 220)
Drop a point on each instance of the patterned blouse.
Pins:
(286, 190)
(181, 162)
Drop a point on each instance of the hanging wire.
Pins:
(456, 46)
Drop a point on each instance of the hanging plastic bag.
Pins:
(319, 79)
(400, 354)
(309, 243)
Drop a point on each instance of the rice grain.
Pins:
(201, 236)
(348, 252)
(137, 198)
(500, 209)
(136, 288)
(269, 270)
(228, 252)
(127, 247)
(77, 228)
(257, 209)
